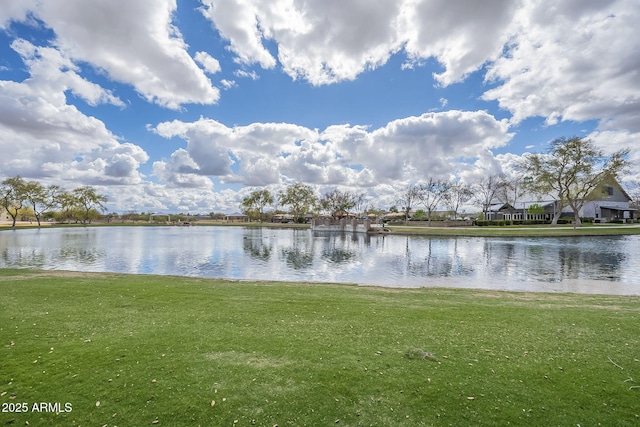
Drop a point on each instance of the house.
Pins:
(4, 216)
(607, 202)
(521, 211)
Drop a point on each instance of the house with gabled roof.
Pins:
(608, 202)
(521, 211)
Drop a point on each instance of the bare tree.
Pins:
(509, 192)
(362, 204)
(407, 198)
(633, 190)
(457, 195)
(485, 191)
(432, 194)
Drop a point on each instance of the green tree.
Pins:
(535, 209)
(88, 201)
(571, 170)
(336, 201)
(12, 192)
(300, 198)
(40, 198)
(420, 215)
(67, 203)
(254, 204)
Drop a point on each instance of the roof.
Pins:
(618, 208)
(520, 205)
(238, 214)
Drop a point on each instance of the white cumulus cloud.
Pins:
(433, 144)
(134, 42)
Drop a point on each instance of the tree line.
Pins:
(569, 172)
(20, 197)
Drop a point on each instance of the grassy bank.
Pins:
(507, 231)
(520, 231)
(149, 350)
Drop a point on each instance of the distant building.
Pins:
(236, 217)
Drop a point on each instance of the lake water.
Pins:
(607, 265)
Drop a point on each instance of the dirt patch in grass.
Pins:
(252, 359)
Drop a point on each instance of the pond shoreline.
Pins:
(506, 231)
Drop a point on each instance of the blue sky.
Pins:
(189, 105)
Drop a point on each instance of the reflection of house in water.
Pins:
(606, 203)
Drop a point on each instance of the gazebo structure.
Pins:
(236, 217)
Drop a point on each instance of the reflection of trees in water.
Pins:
(297, 258)
(337, 247)
(348, 256)
(300, 254)
(80, 247)
(522, 259)
(500, 257)
(593, 265)
(81, 255)
(33, 258)
(440, 258)
(552, 260)
(338, 256)
(257, 247)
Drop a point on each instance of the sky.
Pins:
(189, 105)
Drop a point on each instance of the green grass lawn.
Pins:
(148, 350)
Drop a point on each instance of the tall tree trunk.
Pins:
(556, 216)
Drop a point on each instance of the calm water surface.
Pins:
(609, 265)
